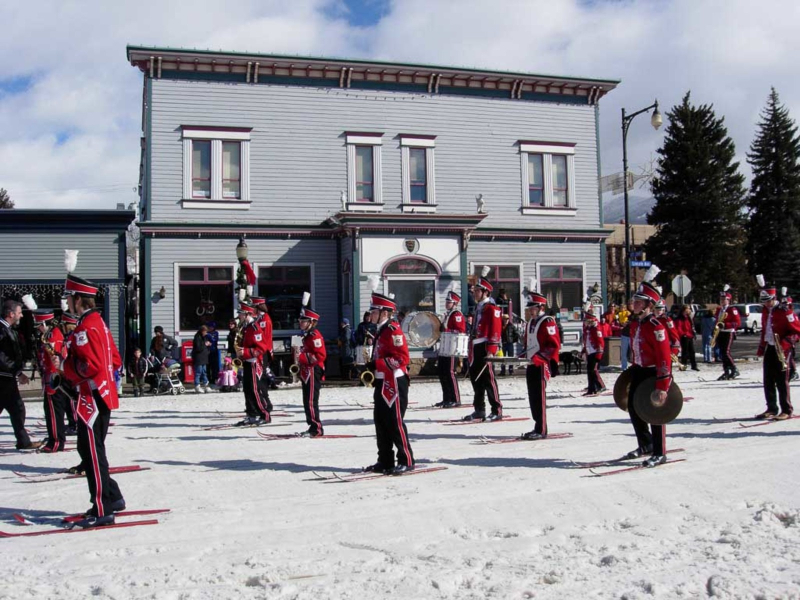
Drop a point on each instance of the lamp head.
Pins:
(656, 119)
(241, 250)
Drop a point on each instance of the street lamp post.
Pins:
(241, 277)
(655, 121)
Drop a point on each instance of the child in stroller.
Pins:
(227, 380)
(165, 378)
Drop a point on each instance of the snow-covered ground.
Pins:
(503, 521)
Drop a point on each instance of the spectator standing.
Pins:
(138, 371)
(346, 355)
(509, 337)
(11, 375)
(707, 324)
(163, 346)
(213, 350)
(200, 352)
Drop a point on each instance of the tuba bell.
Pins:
(368, 378)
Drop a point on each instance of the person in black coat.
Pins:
(200, 354)
(11, 375)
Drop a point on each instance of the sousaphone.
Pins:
(649, 408)
(621, 389)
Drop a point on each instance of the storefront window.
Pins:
(504, 278)
(413, 295)
(205, 295)
(283, 288)
(563, 287)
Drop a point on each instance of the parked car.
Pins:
(750, 314)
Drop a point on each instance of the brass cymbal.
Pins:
(649, 411)
(621, 388)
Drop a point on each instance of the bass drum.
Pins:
(422, 329)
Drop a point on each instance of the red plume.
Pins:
(248, 271)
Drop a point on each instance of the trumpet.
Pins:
(677, 363)
(294, 369)
(368, 378)
(237, 362)
(779, 350)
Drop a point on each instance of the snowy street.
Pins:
(249, 519)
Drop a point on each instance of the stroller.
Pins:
(166, 377)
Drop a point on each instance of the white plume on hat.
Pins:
(29, 302)
(391, 296)
(64, 305)
(306, 298)
(760, 281)
(587, 307)
(659, 289)
(651, 273)
(784, 289)
(533, 285)
(70, 260)
(726, 287)
(373, 281)
(485, 270)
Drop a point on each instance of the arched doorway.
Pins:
(413, 281)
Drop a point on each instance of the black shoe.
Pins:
(532, 435)
(71, 431)
(118, 505)
(734, 375)
(494, 417)
(639, 452)
(723, 377)
(92, 521)
(77, 470)
(654, 461)
(31, 445)
(478, 415)
(377, 468)
(401, 469)
(695, 369)
(766, 415)
(440, 404)
(449, 404)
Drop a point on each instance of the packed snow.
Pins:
(249, 519)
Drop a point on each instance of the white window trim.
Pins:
(520, 265)
(257, 292)
(547, 151)
(184, 335)
(376, 141)
(216, 138)
(429, 206)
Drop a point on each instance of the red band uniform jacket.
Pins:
(46, 361)
(542, 343)
(264, 323)
(672, 332)
(488, 326)
(391, 358)
(455, 322)
(732, 318)
(651, 348)
(312, 353)
(780, 321)
(254, 341)
(594, 340)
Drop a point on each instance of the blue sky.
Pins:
(70, 105)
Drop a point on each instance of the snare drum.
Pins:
(363, 355)
(454, 344)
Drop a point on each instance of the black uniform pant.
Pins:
(776, 378)
(390, 429)
(265, 382)
(103, 490)
(655, 442)
(311, 401)
(448, 378)
(593, 373)
(724, 343)
(71, 409)
(537, 397)
(484, 383)
(254, 403)
(687, 351)
(11, 401)
(55, 406)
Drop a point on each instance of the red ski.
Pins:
(292, 436)
(636, 468)
(5, 534)
(767, 422)
(550, 436)
(365, 476)
(614, 461)
(480, 421)
(75, 518)
(39, 477)
(235, 426)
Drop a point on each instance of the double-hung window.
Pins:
(548, 178)
(204, 294)
(216, 167)
(562, 285)
(417, 164)
(364, 172)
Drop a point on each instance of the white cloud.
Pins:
(728, 54)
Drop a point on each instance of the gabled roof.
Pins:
(357, 72)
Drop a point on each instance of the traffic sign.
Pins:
(641, 263)
(681, 286)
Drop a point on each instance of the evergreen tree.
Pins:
(700, 199)
(774, 200)
(5, 199)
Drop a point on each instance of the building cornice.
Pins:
(159, 62)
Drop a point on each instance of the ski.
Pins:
(480, 421)
(366, 476)
(5, 534)
(551, 436)
(766, 422)
(24, 520)
(292, 436)
(613, 461)
(635, 468)
(40, 477)
(434, 407)
(235, 426)
(332, 475)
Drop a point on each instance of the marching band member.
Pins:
(485, 341)
(264, 323)
(728, 321)
(454, 322)
(651, 357)
(253, 347)
(51, 353)
(777, 326)
(542, 344)
(659, 312)
(390, 365)
(593, 347)
(788, 306)
(90, 365)
(311, 361)
(68, 323)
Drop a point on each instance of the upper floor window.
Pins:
(417, 164)
(548, 178)
(216, 167)
(364, 171)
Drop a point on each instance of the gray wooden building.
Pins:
(335, 170)
(32, 244)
